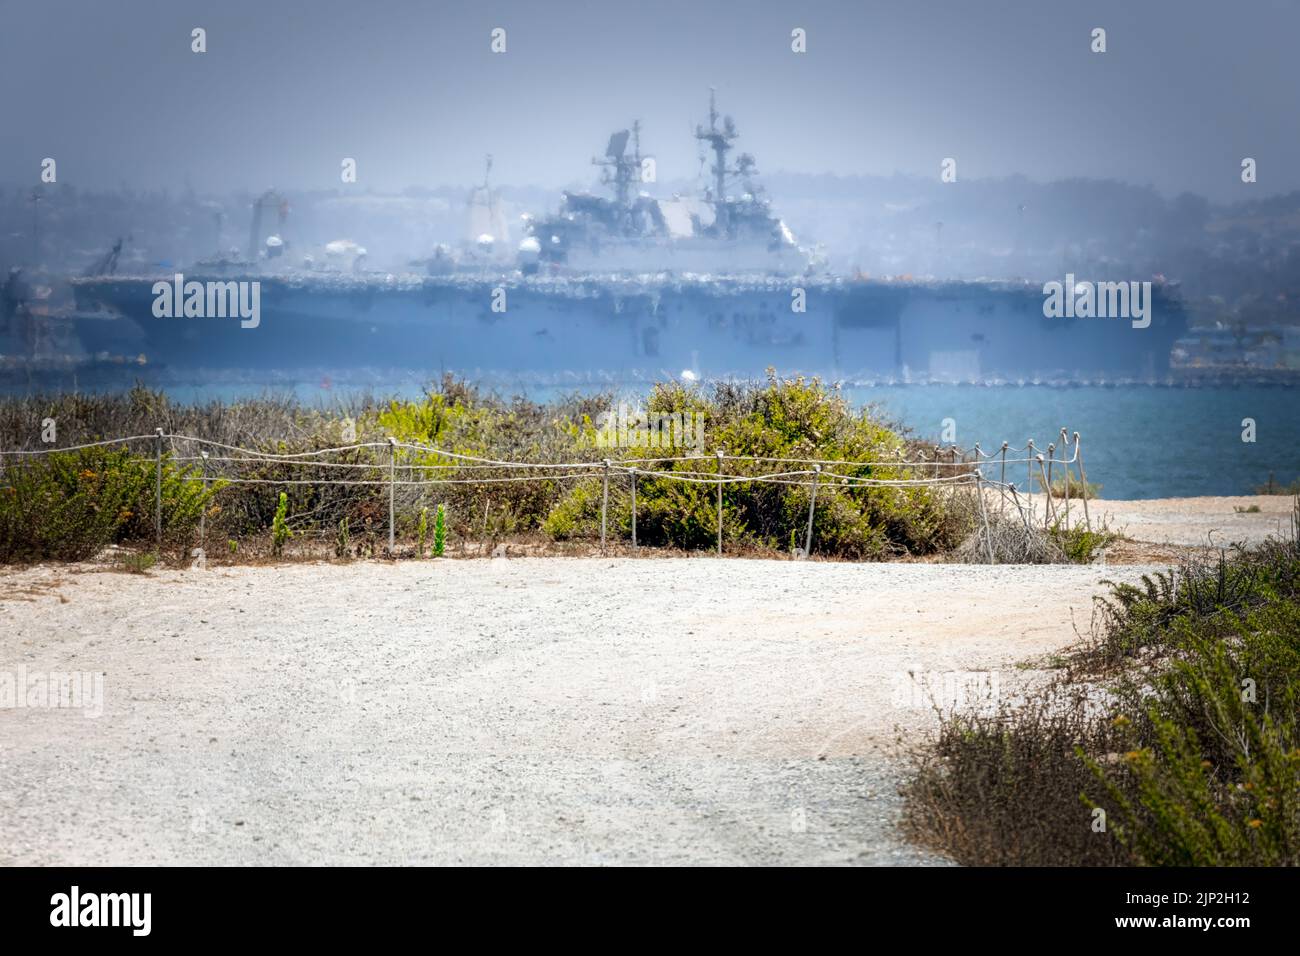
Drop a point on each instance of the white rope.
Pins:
(384, 483)
(93, 444)
(302, 458)
(570, 470)
(497, 462)
(287, 456)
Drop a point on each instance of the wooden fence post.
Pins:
(720, 453)
(1002, 480)
(1083, 479)
(604, 507)
(203, 512)
(1049, 509)
(392, 490)
(157, 487)
(812, 507)
(1029, 477)
(632, 472)
(988, 532)
(1065, 459)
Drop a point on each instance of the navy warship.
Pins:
(615, 287)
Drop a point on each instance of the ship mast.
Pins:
(719, 140)
(482, 195)
(484, 209)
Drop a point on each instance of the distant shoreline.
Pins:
(119, 372)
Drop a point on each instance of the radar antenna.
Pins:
(621, 170)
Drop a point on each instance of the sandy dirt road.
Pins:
(496, 710)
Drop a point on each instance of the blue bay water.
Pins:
(1138, 441)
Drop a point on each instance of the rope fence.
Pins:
(949, 466)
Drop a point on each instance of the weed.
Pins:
(440, 531)
(280, 531)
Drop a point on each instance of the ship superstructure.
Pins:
(719, 232)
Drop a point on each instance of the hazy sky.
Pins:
(411, 90)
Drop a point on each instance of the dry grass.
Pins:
(1013, 542)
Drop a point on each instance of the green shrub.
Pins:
(138, 562)
(1079, 544)
(671, 513)
(342, 540)
(462, 422)
(573, 514)
(280, 531)
(1211, 775)
(70, 505)
(1143, 617)
(779, 419)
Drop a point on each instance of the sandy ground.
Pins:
(1167, 527)
(540, 710)
(1203, 522)
(496, 710)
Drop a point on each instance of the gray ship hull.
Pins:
(615, 329)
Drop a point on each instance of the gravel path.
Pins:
(496, 711)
